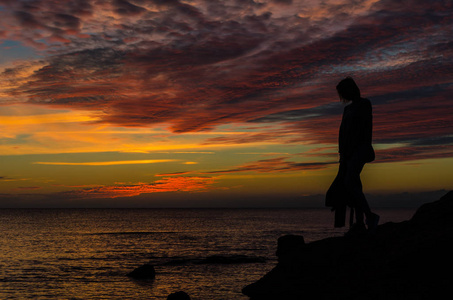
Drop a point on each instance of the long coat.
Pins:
(354, 139)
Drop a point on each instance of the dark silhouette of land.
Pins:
(408, 260)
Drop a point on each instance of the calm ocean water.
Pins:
(86, 253)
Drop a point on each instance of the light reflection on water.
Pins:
(86, 253)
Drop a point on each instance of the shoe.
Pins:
(372, 221)
(356, 230)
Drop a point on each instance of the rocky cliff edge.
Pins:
(408, 260)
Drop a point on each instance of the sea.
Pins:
(211, 254)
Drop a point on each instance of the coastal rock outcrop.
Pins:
(408, 260)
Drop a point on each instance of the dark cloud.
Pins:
(200, 64)
(286, 2)
(333, 109)
(70, 85)
(245, 138)
(27, 20)
(29, 188)
(414, 153)
(433, 141)
(66, 21)
(279, 164)
(124, 7)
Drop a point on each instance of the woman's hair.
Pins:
(348, 90)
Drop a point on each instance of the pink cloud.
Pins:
(166, 184)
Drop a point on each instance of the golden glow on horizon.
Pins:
(180, 160)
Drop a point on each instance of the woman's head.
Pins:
(348, 90)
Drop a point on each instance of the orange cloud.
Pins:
(106, 163)
(168, 184)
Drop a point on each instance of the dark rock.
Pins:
(289, 247)
(178, 296)
(407, 260)
(143, 272)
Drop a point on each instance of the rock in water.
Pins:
(408, 260)
(143, 272)
(178, 296)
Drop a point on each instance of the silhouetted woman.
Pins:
(355, 149)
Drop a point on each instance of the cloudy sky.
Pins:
(217, 103)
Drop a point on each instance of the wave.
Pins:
(214, 259)
(133, 233)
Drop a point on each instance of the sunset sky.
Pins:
(164, 103)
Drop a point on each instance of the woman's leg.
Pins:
(354, 186)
